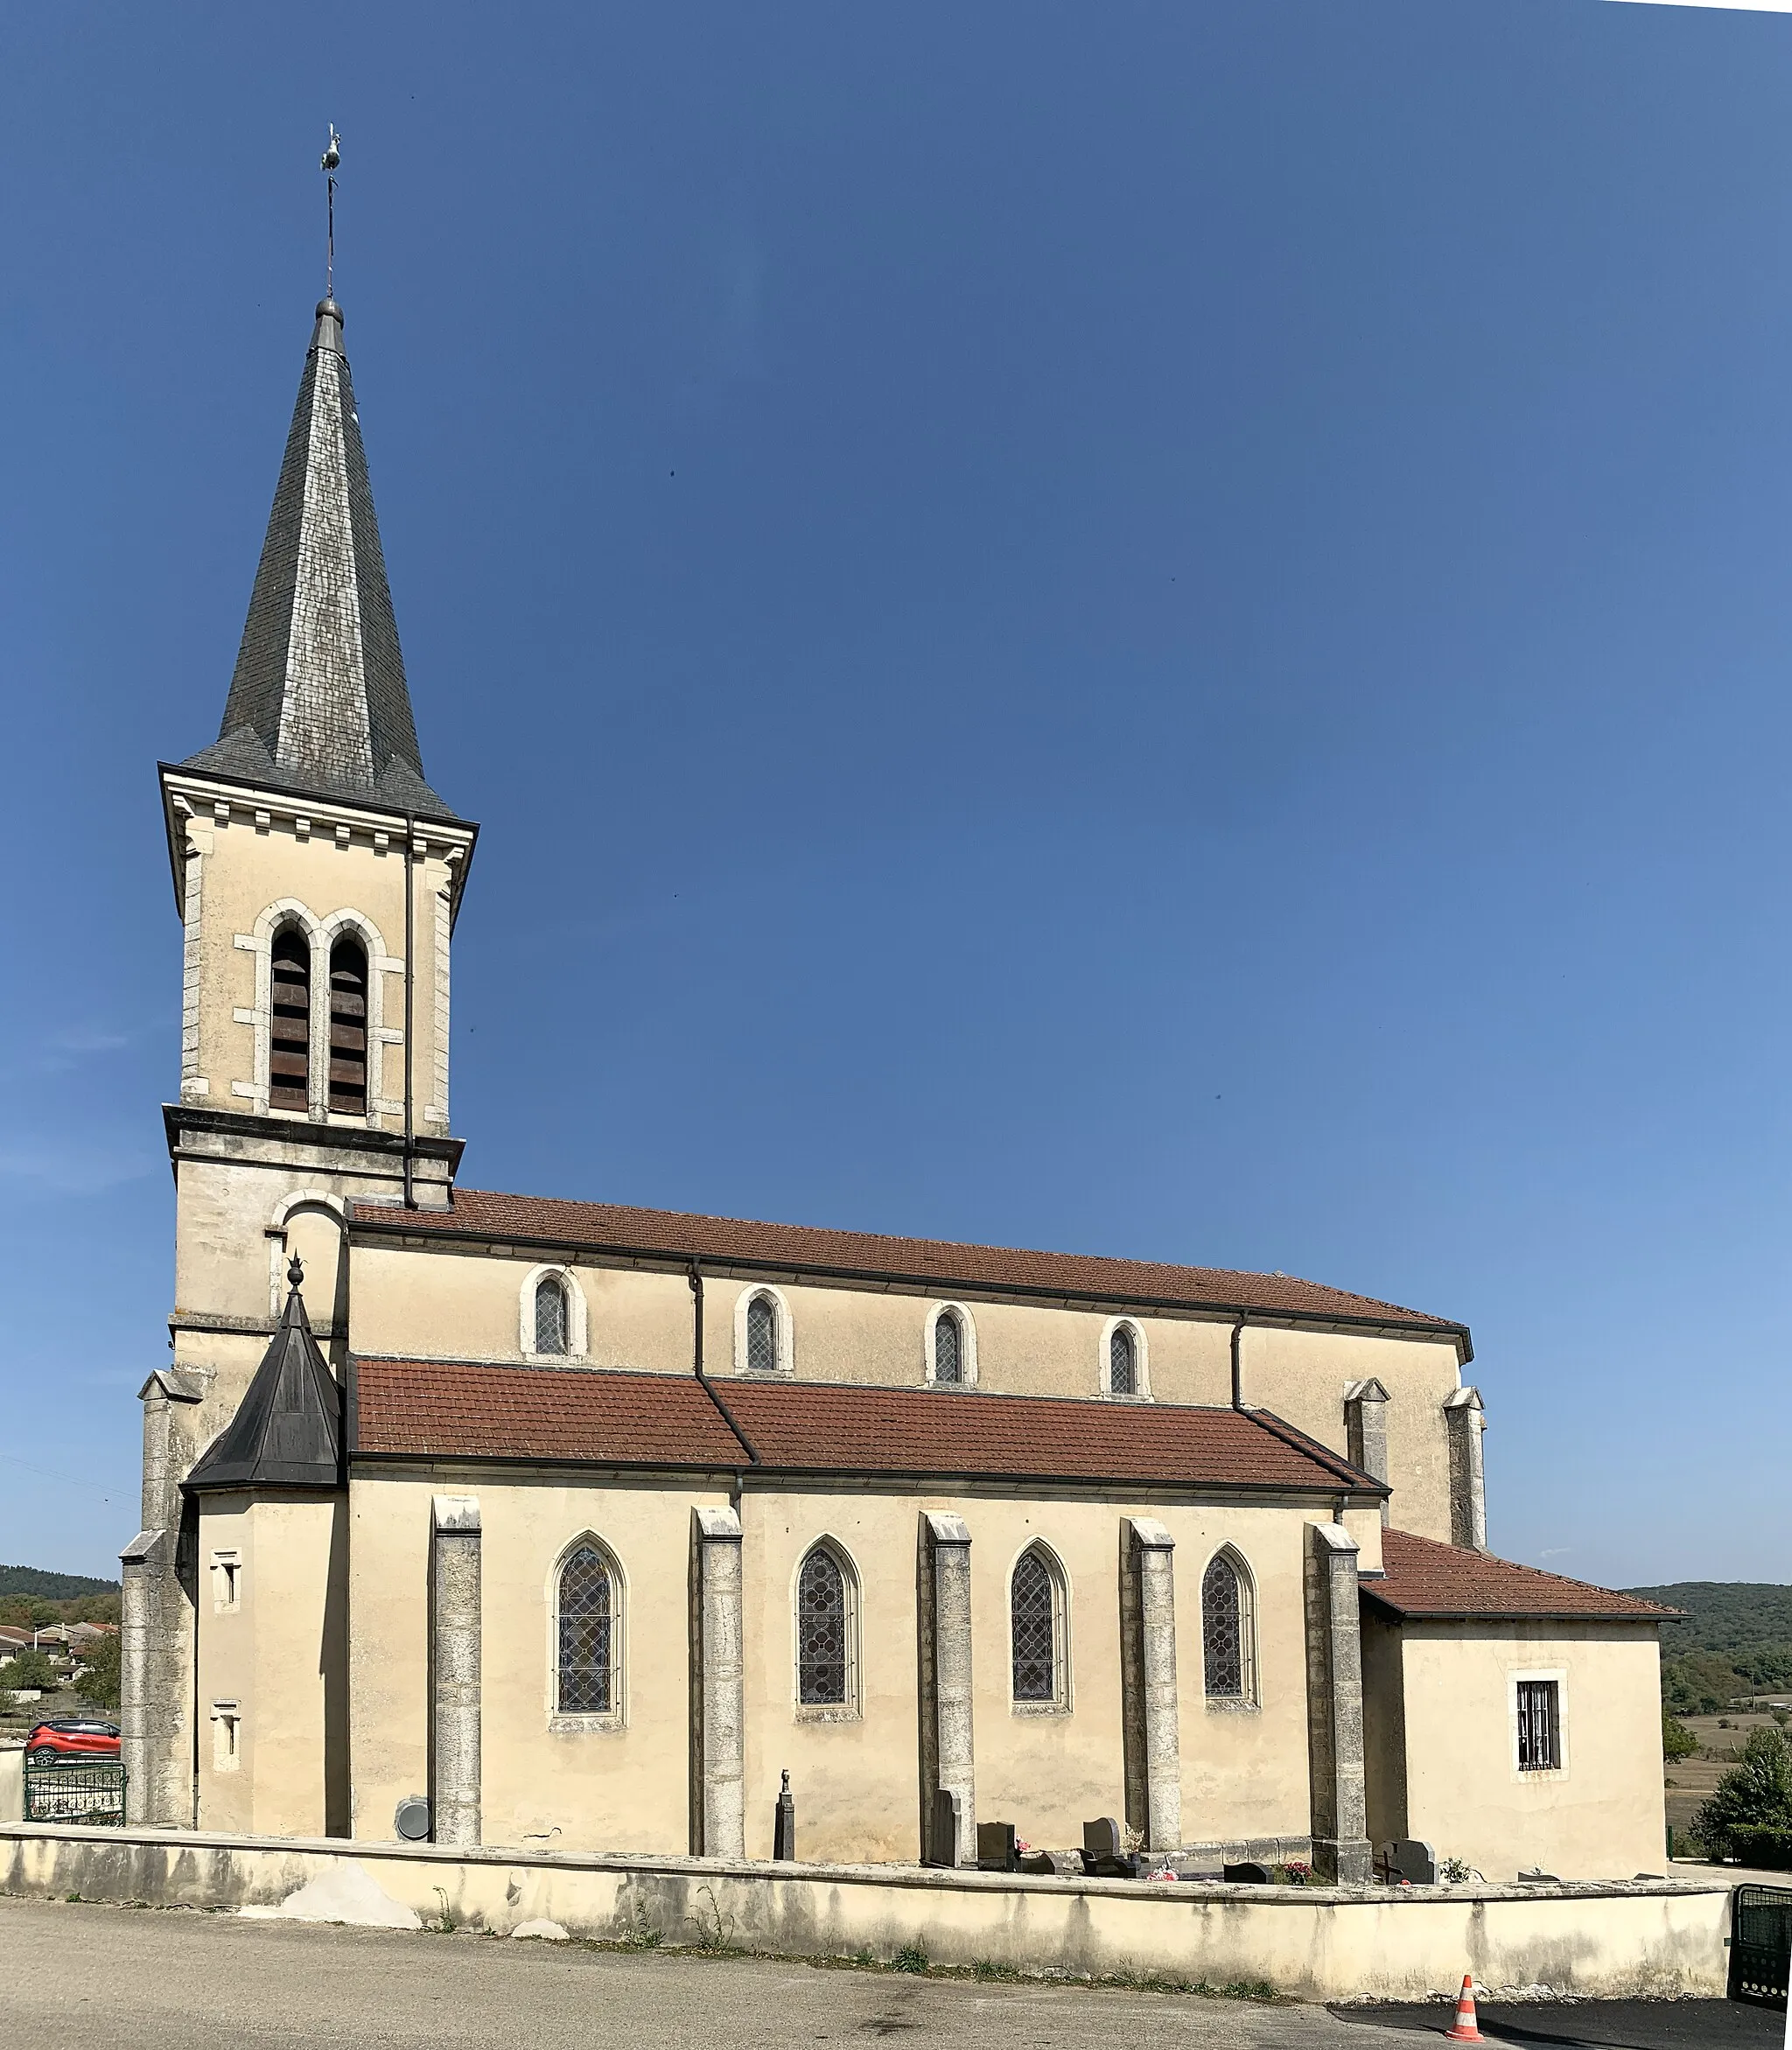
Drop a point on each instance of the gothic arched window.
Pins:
(1123, 1361)
(588, 1643)
(762, 1335)
(948, 1349)
(1228, 1630)
(825, 1622)
(290, 1022)
(1036, 1629)
(551, 1314)
(348, 1028)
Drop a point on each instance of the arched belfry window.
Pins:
(587, 1625)
(348, 1028)
(948, 1349)
(1037, 1628)
(762, 1335)
(290, 1021)
(1228, 1631)
(551, 1314)
(1123, 1360)
(827, 1621)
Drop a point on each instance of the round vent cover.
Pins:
(412, 1818)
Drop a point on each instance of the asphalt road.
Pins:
(79, 1976)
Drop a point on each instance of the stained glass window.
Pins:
(550, 1315)
(587, 1624)
(762, 1335)
(1123, 1361)
(1225, 1624)
(821, 1626)
(948, 1364)
(1034, 1622)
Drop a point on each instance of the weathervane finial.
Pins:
(327, 164)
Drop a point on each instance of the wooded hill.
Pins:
(52, 1586)
(1735, 1638)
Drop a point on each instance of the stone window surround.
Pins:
(578, 1314)
(615, 1717)
(967, 1345)
(1250, 1702)
(227, 1736)
(1141, 1360)
(227, 1581)
(781, 1324)
(1063, 1699)
(1538, 1775)
(852, 1708)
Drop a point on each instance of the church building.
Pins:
(509, 1520)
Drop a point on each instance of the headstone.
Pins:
(996, 1849)
(1103, 1838)
(1246, 1872)
(1410, 1860)
(784, 1824)
(947, 1834)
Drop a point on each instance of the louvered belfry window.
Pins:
(948, 1360)
(1224, 1626)
(587, 1636)
(1033, 1620)
(762, 1335)
(290, 1029)
(348, 1028)
(822, 1626)
(550, 1315)
(1122, 1362)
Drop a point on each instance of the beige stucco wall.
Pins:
(279, 1656)
(1600, 1817)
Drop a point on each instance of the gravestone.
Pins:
(1246, 1872)
(945, 1839)
(996, 1850)
(1408, 1860)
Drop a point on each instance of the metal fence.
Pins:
(1760, 1944)
(62, 1789)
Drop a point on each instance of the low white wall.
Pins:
(1318, 1942)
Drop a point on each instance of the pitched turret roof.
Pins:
(287, 1432)
(318, 701)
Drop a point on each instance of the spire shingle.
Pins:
(287, 1432)
(318, 700)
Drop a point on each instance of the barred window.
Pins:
(348, 1028)
(550, 1315)
(289, 1029)
(824, 1631)
(1539, 1726)
(762, 1335)
(1226, 1632)
(1036, 1629)
(586, 1625)
(948, 1357)
(1123, 1361)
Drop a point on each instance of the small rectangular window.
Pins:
(1539, 1725)
(226, 1582)
(227, 1733)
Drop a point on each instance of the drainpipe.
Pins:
(695, 1276)
(410, 985)
(1238, 1363)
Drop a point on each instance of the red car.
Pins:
(75, 1737)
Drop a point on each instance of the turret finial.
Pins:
(295, 1273)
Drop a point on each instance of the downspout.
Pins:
(1238, 1363)
(695, 1275)
(410, 1005)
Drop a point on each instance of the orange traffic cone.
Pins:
(1468, 2028)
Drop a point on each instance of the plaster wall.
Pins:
(279, 1656)
(1600, 1817)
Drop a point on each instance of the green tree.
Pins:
(28, 1669)
(1702, 1684)
(99, 1682)
(28, 1611)
(1677, 1741)
(1755, 1794)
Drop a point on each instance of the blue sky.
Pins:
(1155, 629)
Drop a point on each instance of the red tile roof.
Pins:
(676, 1235)
(463, 1411)
(1427, 1579)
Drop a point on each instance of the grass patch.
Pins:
(911, 1958)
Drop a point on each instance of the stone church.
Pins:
(510, 1520)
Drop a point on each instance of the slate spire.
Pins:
(318, 701)
(287, 1432)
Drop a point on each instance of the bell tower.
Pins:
(318, 877)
